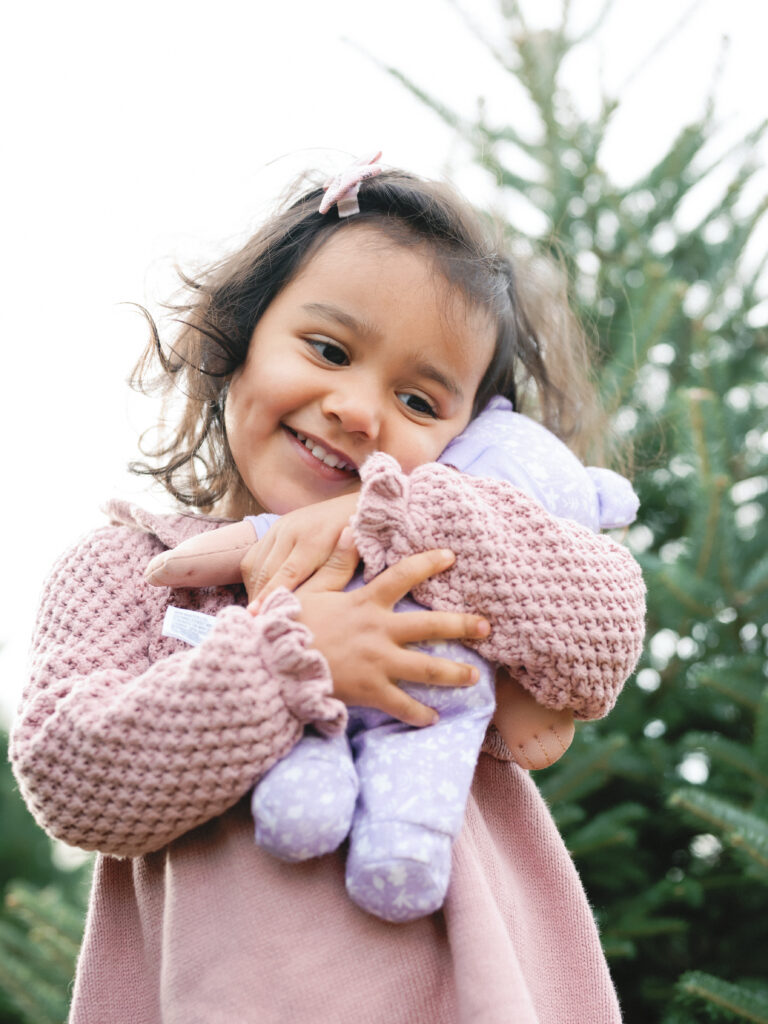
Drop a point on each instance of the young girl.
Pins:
(387, 330)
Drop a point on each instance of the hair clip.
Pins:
(342, 189)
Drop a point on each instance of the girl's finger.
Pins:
(416, 667)
(284, 566)
(339, 568)
(397, 703)
(399, 579)
(263, 564)
(419, 627)
(289, 575)
(251, 568)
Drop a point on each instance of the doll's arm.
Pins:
(566, 605)
(122, 746)
(210, 559)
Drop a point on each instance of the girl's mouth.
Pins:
(327, 458)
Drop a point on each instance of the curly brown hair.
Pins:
(541, 358)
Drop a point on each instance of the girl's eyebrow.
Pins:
(334, 314)
(340, 316)
(433, 373)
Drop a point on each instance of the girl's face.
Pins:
(366, 349)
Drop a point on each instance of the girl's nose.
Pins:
(355, 409)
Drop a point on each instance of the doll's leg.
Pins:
(413, 791)
(303, 806)
(536, 736)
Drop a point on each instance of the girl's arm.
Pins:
(566, 606)
(122, 747)
(124, 742)
(295, 547)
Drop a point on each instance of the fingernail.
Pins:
(435, 719)
(347, 539)
(254, 606)
(483, 628)
(447, 555)
(473, 675)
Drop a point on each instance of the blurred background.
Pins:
(627, 139)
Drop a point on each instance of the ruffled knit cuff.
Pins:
(288, 655)
(382, 509)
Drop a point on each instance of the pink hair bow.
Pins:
(342, 189)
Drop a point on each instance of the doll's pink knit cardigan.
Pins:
(134, 745)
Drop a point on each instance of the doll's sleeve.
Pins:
(566, 605)
(117, 753)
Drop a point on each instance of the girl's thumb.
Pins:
(340, 566)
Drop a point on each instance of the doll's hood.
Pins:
(169, 528)
(506, 445)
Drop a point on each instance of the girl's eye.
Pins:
(328, 351)
(418, 404)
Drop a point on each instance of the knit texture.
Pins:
(119, 724)
(128, 739)
(566, 606)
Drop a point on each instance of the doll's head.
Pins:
(386, 330)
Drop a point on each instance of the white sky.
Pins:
(138, 134)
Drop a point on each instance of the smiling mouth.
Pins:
(321, 454)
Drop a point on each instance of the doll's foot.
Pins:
(303, 806)
(398, 871)
(536, 736)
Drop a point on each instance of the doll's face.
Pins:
(367, 348)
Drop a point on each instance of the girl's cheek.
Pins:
(419, 455)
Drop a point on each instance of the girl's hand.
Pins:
(364, 640)
(295, 547)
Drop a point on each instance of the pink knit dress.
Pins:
(141, 748)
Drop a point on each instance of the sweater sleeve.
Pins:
(566, 605)
(116, 753)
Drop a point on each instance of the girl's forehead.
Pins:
(366, 259)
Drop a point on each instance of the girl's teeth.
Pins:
(320, 453)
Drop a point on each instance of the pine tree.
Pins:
(40, 933)
(664, 804)
(41, 917)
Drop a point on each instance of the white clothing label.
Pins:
(183, 624)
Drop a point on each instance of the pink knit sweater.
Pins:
(134, 745)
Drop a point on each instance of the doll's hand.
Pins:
(295, 547)
(207, 560)
(364, 640)
(536, 736)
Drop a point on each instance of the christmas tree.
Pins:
(664, 804)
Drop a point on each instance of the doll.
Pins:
(397, 791)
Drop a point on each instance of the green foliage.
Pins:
(41, 917)
(664, 804)
(40, 935)
(719, 1000)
